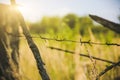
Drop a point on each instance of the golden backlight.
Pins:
(22, 8)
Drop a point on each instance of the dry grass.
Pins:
(63, 66)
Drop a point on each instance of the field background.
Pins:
(62, 65)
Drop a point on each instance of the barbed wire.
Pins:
(84, 55)
(114, 64)
(89, 42)
(107, 69)
(81, 42)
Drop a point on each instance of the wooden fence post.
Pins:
(9, 43)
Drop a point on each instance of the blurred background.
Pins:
(34, 10)
(69, 20)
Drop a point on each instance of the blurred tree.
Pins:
(46, 24)
(70, 20)
(85, 23)
(39, 26)
(36, 28)
(54, 23)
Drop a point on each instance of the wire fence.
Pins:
(81, 41)
(83, 55)
(89, 42)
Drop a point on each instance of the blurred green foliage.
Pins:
(70, 25)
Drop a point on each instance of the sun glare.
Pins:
(26, 12)
(22, 9)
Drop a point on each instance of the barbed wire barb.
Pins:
(81, 42)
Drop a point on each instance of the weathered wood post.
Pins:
(10, 20)
(106, 23)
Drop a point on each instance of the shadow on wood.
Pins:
(9, 43)
(10, 20)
